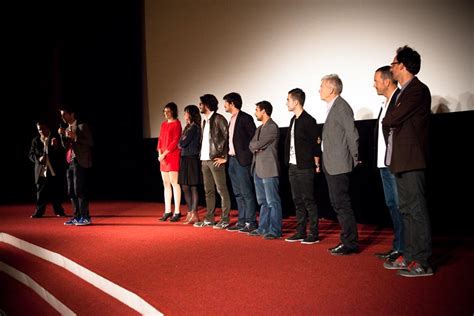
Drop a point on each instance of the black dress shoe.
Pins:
(175, 217)
(394, 256)
(166, 216)
(389, 255)
(342, 250)
(384, 255)
(61, 215)
(338, 245)
(36, 216)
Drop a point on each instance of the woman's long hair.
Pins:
(194, 114)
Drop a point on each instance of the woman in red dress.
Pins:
(168, 156)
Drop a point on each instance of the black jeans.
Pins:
(416, 221)
(338, 187)
(76, 187)
(302, 190)
(49, 189)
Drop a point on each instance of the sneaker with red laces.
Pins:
(415, 269)
(398, 264)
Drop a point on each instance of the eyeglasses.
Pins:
(395, 63)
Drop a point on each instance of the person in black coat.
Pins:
(406, 128)
(241, 131)
(49, 159)
(190, 176)
(77, 140)
(302, 157)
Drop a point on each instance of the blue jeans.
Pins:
(270, 205)
(243, 190)
(391, 200)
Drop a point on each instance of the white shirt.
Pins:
(48, 165)
(381, 146)
(292, 144)
(205, 146)
(329, 107)
(233, 119)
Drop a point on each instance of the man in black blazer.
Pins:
(387, 86)
(48, 156)
(77, 141)
(407, 129)
(241, 130)
(302, 158)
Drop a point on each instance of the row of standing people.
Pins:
(251, 153)
(204, 149)
(252, 158)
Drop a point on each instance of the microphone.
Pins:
(63, 126)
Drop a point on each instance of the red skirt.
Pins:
(171, 162)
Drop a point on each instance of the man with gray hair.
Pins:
(340, 141)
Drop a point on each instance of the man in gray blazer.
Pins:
(340, 141)
(266, 169)
(77, 140)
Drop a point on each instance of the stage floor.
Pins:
(179, 269)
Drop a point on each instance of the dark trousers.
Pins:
(302, 191)
(338, 187)
(416, 221)
(76, 186)
(49, 189)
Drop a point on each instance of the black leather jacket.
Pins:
(218, 136)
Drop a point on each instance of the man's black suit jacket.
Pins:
(409, 121)
(244, 131)
(56, 156)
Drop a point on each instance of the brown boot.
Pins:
(188, 217)
(194, 217)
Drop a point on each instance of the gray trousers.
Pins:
(215, 177)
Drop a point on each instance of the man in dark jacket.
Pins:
(407, 129)
(214, 151)
(388, 87)
(241, 130)
(303, 160)
(77, 141)
(49, 159)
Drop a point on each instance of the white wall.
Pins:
(264, 48)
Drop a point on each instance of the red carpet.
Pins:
(180, 269)
(17, 299)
